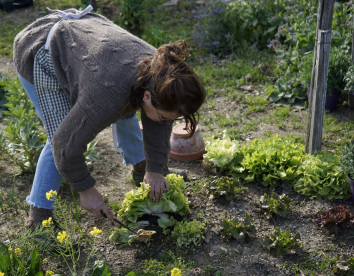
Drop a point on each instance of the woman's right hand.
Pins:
(92, 201)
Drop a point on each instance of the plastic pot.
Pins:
(332, 99)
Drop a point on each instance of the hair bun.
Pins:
(172, 53)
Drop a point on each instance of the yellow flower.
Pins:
(62, 236)
(47, 222)
(50, 194)
(95, 232)
(45, 261)
(2, 273)
(18, 251)
(10, 249)
(176, 272)
(49, 272)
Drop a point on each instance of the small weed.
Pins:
(226, 187)
(11, 202)
(256, 104)
(168, 261)
(281, 242)
(276, 205)
(282, 112)
(210, 270)
(238, 229)
(315, 263)
(268, 133)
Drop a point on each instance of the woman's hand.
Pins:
(158, 185)
(92, 201)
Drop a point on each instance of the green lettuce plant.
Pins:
(122, 236)
(226, 187)
(271, 161)
(222, 154)
(137, 203)
(276, 205)
(321, 175)
(281, 242)
(237, 228)
(186, 233)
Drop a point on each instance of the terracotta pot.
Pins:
(351, 182)
(185, 148)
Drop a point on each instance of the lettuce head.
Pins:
(137, 203)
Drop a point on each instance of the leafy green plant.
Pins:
(12, 263)
(294, 44)
(344, 265)
(186, 233)
(237, 228)
(90, 155)
(132, 15)
(276, 205)
(281, 242)
(223, 186)
(121, 236)
(335, 218)
(222, 154)
(224, 25)
(346, 158)
(23, 138)
(270, 161)
(321, 175)
(3, 100)
(339, 63)
(137, 203)
(349, 81)
(100, 268)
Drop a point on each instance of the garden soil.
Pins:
(214, 255)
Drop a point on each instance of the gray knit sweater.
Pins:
(95, 62)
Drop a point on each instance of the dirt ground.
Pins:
(229, 258)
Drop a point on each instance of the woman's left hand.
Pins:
(158, 185)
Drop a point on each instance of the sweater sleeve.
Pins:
(90, 115)
(69, 145)
(156, 143)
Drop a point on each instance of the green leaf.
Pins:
(100, 268)
(33, 263)
(4, 257)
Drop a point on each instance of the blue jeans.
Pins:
(127, 138)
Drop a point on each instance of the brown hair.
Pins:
(172, 83)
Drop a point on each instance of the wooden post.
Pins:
(93, 4)
(318, 87)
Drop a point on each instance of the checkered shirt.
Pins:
(54, 104)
